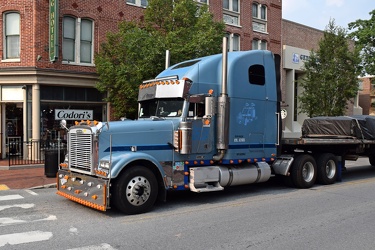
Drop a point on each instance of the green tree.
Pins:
(364, 35)
(137, 51)
(330, 79)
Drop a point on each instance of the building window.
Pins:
(259, 44)
(202, 1)
(233, 42)
(231, 12)
(12, 35)
(231, 5)
(77, 40)
(259, 13)
(141, 3)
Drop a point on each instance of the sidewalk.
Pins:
(23, 176)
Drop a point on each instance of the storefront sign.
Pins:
(53, 30)
(73, 114)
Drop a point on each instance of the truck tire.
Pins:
(135, 191)
(304, 171)
(371, 159)
(327, 168)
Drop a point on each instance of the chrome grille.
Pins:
(80, 150)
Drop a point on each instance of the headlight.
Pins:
(104, 164)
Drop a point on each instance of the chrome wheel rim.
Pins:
(308, 172)
(330, 169)
(138, 190)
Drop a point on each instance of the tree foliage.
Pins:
(137, 51)
(364, 35)
(330, 79)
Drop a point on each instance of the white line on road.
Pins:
(5, 221)
(10, 197)
(31, 192)
(27, 237)
(97, 247)
(24, 206)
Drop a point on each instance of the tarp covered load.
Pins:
(360, 126)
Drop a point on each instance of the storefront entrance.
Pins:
(12, 131)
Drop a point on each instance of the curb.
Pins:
(53, 185)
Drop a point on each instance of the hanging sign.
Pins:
(53, 30)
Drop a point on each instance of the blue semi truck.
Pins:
(203, 125)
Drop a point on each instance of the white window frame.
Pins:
(258, 43)
(230, 7)
(230, 16)
(6, 56)
(202, 1)
(231, 42)
(139, 3)
(259, 22)
(78, 42)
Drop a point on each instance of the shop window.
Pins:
(259, 13)
(233, 42)
(70, 94)
(77, 40)
(141, 3)
(11, 35)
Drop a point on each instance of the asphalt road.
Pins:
(261, 216)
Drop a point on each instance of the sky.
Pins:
(317, 13)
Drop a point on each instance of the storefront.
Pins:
(20, 126)
(70, 104)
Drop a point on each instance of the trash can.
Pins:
(51, 161)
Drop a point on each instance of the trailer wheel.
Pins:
(304, 171)
(327, 168)
(371, 159)
(135, 191)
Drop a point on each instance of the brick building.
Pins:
(47, 49)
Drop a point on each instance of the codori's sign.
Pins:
(73, 114)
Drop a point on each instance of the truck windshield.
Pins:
(166, 107)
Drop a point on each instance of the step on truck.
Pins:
(203, 125)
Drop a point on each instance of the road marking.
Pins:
(5, 221)
(3, 187)
(10, 197)
(27, 237)
(95, 247)
(24, 206)
(31, 192)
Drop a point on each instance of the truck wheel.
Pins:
(135, 191)
(304, 171)
(371, 159)
(327, 168)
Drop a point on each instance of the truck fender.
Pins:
(282, 164)
(121, 161)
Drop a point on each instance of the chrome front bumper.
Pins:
(84, 189)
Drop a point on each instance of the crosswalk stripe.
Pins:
(27, 237)
(10, 197)
(31, 192)
(24, 206)
(103, 246)
(5, 221)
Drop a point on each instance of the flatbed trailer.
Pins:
(328, 153)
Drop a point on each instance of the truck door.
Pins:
(202, 136)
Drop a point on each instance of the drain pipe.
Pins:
(223, 109)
